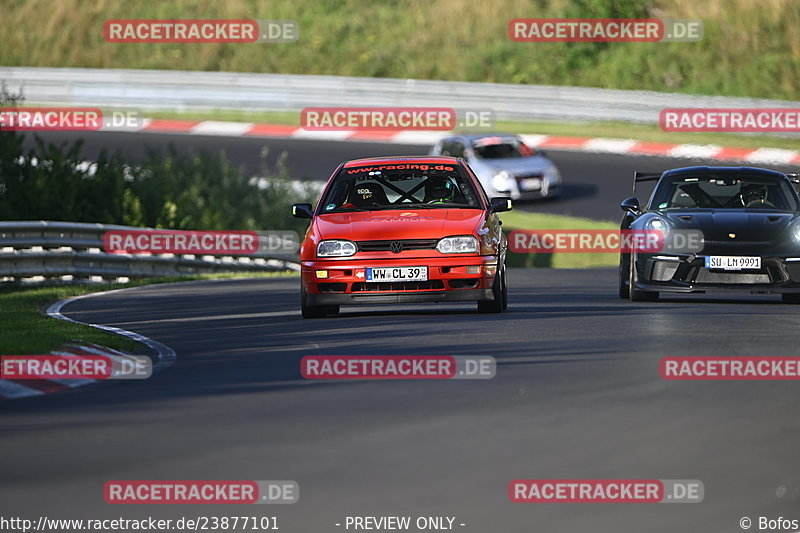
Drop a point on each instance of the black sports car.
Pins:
(750, 224)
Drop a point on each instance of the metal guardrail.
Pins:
(190, 90)
(55, 250)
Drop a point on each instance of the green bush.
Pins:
(200, 191)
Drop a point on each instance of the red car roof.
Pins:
(393, 160)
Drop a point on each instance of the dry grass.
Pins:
(749, 49)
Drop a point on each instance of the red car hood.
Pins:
(399, 224)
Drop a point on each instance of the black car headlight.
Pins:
(657, 224)
(794, 231)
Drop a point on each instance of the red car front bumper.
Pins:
(450, 279)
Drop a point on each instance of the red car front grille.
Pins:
(406, 244)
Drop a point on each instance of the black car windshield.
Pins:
(729, 191)
(400, 186)
(500, 148)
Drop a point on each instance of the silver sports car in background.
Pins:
(504, 164)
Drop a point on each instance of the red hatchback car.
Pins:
(403, 229)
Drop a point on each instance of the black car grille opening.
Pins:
(393, 286)
(331, 287)
(529, 176)
(793, 271)
(466, 283)
(744, 278)
(386, 246)
(664, 270)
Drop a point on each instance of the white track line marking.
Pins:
(415, 137)
(771, 155)
(613, 146)
(225, 129)
(321, 135)
(166, 355)
(695, 150)
(533, 140)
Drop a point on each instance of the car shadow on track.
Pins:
(568, 193)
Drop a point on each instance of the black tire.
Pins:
(500, 301)
(315, 311)
(505, 290)
(635, 294)
(624, 275)
(790, 298)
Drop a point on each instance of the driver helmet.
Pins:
(753, 194)
(439, 189)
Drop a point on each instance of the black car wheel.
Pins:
(624, 275)
(500, 293)
(505, 290)
(315, 311)
(635, 294)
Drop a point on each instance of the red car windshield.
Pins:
(400, 186)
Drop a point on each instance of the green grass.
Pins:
(750, 47)
(290, 118)
(521, 220)
(25, 330)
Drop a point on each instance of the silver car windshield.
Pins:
(500, 148)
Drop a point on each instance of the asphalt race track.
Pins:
(594, 184)
(577, 395)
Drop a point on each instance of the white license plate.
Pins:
(727, 262)
(531, 184)
(397, 274)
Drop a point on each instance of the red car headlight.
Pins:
(463, 244)
(336, 248)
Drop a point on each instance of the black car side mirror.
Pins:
(500, 204)
(302, 211)
(631, 205)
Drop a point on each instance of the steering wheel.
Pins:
(759, 203)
